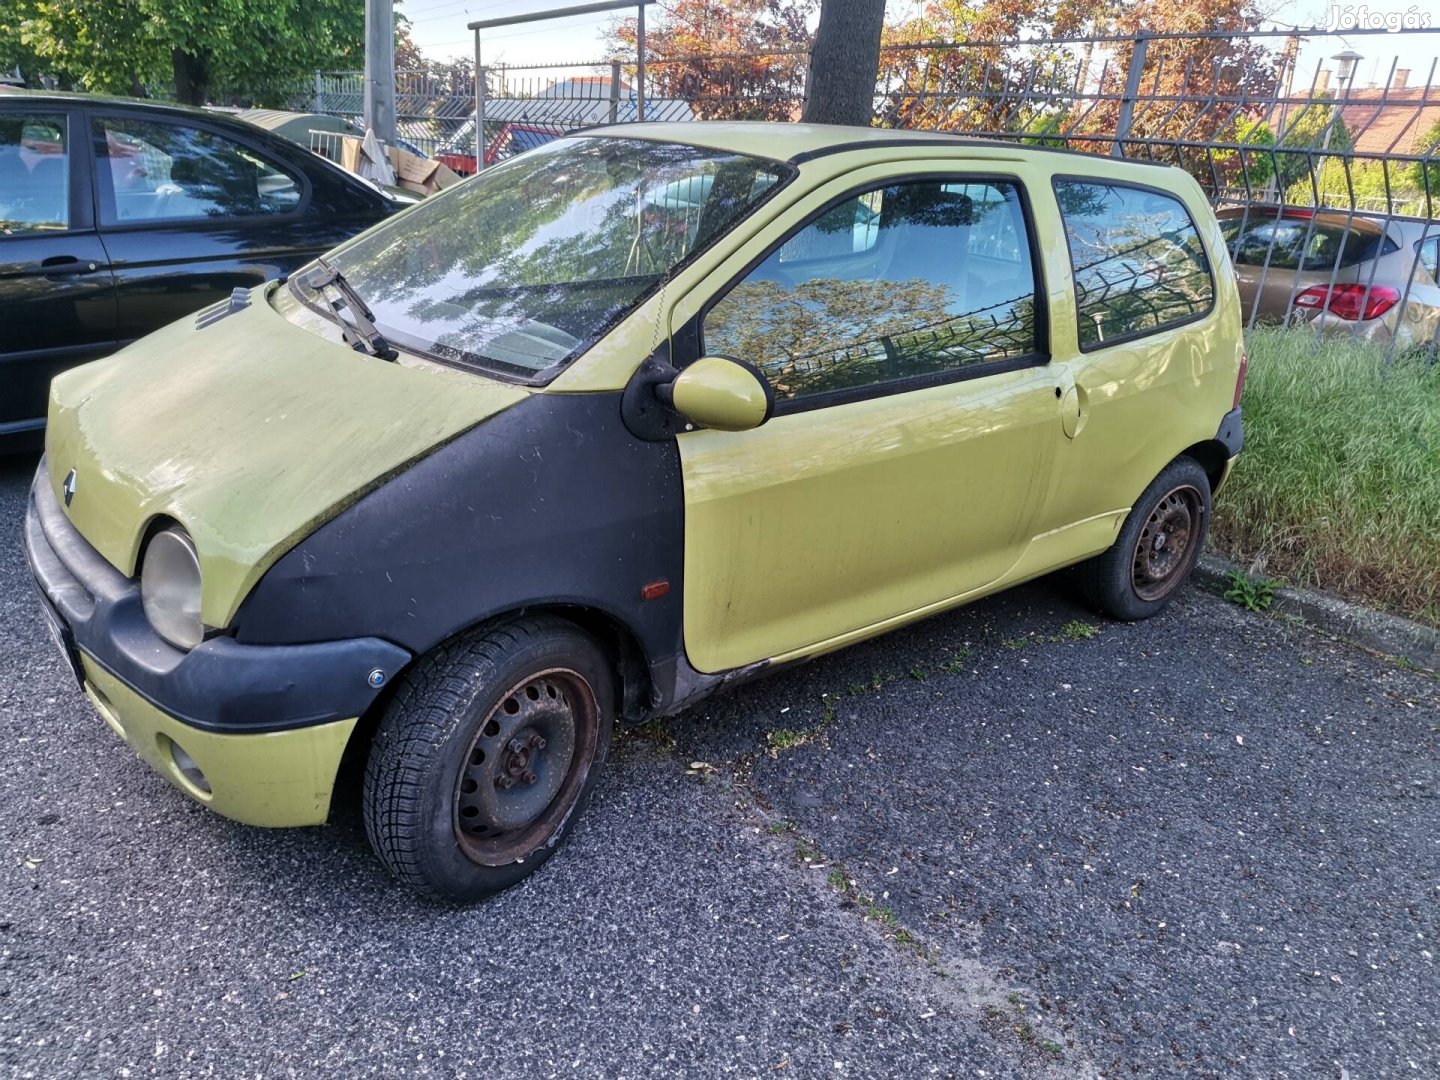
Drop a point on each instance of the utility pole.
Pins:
(380, 68)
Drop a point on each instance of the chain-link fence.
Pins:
(1323, 161)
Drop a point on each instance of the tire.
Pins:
(486, 756)
(1156, 549)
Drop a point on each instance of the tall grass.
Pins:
(1339, 484)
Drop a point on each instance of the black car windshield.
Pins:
(523, 267)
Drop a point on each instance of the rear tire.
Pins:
(1156, 549)
(486, 756)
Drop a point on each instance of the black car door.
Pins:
(57, 297)
(188, 211)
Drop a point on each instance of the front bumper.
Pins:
(266, 724)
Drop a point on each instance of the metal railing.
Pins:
(1328, 156)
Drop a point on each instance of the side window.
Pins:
(152, 171)
(34, 173)
(1138, 262)
(900, 281)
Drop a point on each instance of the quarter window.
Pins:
(896, 282)
(34, 173)
(1430, 256)
(155, 171)
(1137, 259)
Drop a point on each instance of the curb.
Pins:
(1388, 635)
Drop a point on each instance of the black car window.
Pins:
(1300, 243)
(1137, 259)
(155, 171)
(34, 173)
(899, 281)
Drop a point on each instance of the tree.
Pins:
(250, 50)
(729, 59)
(1315, 130)
(1426, 174)
(840, 84)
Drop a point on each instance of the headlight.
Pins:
(170, 588)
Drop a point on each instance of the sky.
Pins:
(438, 27)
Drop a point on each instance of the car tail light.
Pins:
(1240, 379)
(1350, 301)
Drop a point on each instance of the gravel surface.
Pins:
(1015, 841)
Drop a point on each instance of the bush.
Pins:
(1339, 484)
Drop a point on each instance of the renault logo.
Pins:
(68, 487)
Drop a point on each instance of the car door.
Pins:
(901, 324)
(189, 211)
(57, 297)
(1138, 361)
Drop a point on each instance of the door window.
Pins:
(901, 281)
(34, 173)
(151, 171)
(1430, 256)
(1138, 262)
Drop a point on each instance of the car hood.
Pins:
(249, 432)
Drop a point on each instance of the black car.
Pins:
(118, 216)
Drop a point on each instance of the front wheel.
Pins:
(1156, 549)
(486, 755)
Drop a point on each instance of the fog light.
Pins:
(188, 769)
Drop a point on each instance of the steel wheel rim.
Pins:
(525, 767)
(1166, 545)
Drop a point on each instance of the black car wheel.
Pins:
(1156, 549)
(486, 755)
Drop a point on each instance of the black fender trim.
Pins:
(553, 503)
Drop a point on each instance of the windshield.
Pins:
(522, 268)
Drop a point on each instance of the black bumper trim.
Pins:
(222, 685)
(1232, 433)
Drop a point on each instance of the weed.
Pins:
(1252, 594)
(1075, 630)
(778, 827)
(836, 878)
(805, 851)
(657, 733)
(919, 674)
(1052, 1047)
(785, 739)
(1015, 642)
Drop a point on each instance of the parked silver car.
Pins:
(1360, 275)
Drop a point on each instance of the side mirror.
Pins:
(718, 392)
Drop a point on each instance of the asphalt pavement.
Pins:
(1014, 841)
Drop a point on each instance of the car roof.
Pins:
(796, 143)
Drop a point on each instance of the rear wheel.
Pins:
(486, 755)
(1157, 546)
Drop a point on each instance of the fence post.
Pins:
(640, 63)
(479, 107)
(1127, 100)
(614, 91)
(319, 104)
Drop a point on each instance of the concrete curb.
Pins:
(1389, 635)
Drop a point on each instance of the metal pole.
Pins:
(380, 68)
(319, 93)
(614, 91)
(479, 108)
(640, 62)
(1127, 100)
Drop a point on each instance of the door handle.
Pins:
(63, 266)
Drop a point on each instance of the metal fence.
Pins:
(1321, 158)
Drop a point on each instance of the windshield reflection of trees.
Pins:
(570, 236)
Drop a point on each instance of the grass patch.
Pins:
(1339, 484)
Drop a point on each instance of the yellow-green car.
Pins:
(625, 419)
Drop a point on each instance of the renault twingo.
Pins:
(625, 419)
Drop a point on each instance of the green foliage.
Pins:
(1425, 175)
(254, 51)
(1253, 594)
(1314, 129)
(1047, 131)
(1339, 484)
(1364, 184)
(1253, 164)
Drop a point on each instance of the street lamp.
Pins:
(1346, 63)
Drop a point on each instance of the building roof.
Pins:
(1391, 121)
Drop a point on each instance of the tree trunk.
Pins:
(840, 86)
(192, 76)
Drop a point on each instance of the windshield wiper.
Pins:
(359, 331)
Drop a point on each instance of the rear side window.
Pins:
(34, 173)
(1293, 243)
(1138, 262)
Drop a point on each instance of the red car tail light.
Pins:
(1350, 301)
